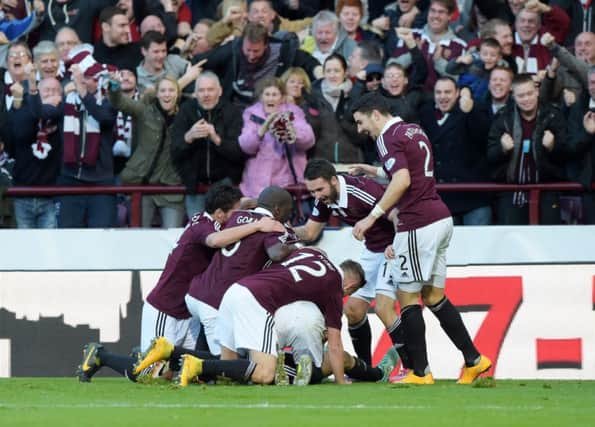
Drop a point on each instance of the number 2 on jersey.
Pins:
(428, 170)
(296, 269)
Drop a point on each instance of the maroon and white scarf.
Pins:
(79, 149)
(123, 133)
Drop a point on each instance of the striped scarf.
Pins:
(123, 133)
(80, 148)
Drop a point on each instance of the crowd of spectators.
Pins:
(167, 92)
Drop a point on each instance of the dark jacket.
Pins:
(550, 165)
(459, 149)
(124, 57)
(581, 145)
(225, 61)
(203, 161)
(30, 169)
(337, 139)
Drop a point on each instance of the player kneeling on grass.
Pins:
(245, 323)
(300, 327)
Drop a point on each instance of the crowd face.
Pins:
(17, 58)
(48, 64)
(406, 5)
(325, 35)
(271, 99)
(208, 91)
(66, 39)
(350, 18)
(155, 56)
(584, 47)
(127, 81)
(323, 190)
(500, 85)
(167, 95)
(505, 38)
(294, 86)
(445, 95)
(201, 45)
(490, 56)
(527, 25)
(116, 31)
(151, 23)
(334, 73)
(516, 5)
(394, 81)
(253, 51)
(260, 12)
(526, 96)
(438, 18)
(48, 88)
(356, 62)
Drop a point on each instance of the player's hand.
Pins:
(363, 225)
(268, 225)
(548, 140)
(389, 252)
(507, 142)
(362, 168)
(248, 203)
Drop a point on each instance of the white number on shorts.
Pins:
(232, 250)
(427, 171)
(295, 269)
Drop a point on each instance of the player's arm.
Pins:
(335, 354)
(280, 251)
(399, 183)
(309, 231)
(221, 239)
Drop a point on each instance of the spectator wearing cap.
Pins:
(87, 144)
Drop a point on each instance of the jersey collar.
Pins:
(263, 211)
(387, 125)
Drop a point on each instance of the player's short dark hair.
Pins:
(370, 102)
(522, 78)
(274, 196)
(319, 168)
(256, 33)
(109, 12)
(152, 37)
(351, 266)
(222, 196)
(490, 42)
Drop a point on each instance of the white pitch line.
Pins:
(252, 406)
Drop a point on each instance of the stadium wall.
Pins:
(526, 294)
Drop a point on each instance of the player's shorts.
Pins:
(243, 324)
(378, 278)
(207, 317)
(300, 325)
(420, 256)
(155, 323)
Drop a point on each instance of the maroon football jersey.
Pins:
(357, 197)
(306, 275)
(245, 257)
(190, 257)
(405, 146)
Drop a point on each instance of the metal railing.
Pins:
(298, 191)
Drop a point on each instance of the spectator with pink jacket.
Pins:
(276, 136)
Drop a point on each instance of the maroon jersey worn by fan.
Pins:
(306, 275)
(190, 257)
(405, 146)
(241, 259)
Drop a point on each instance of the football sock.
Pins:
(361, 337)
(317, 376)
(121, 364)
(201, 341)
(364, 372)
(415, 337)
(238, 369)
(451, 322)
(176, 354)
(397, 335)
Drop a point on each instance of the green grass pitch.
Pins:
(117, 402)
